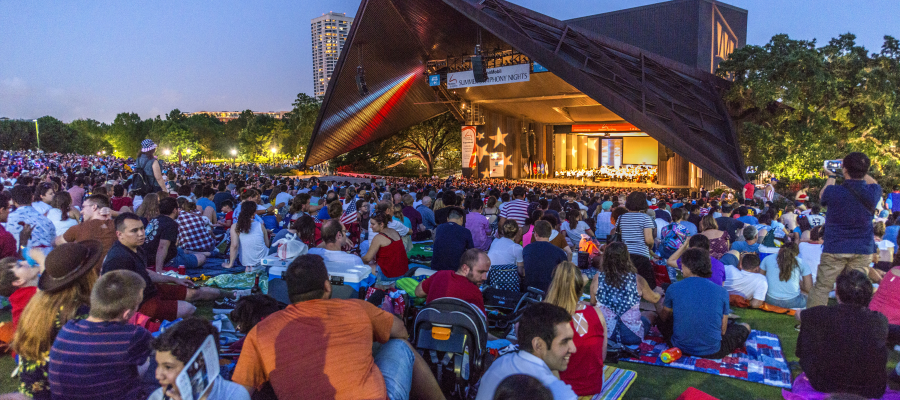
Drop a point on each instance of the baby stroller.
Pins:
(505, 307)
(451, 335)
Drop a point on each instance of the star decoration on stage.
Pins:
(485, 173)
(482, 150)
(508, 160)
(592, 144)
(499, 138)
(480, 136)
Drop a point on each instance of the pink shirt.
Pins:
(887, 298)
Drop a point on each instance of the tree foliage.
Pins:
(427, 142)
(797, 104)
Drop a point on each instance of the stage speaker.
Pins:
(479, 69)
(524, 145)
(361, 81)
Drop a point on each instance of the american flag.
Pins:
(350, 216)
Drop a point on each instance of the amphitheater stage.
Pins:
(609, 184)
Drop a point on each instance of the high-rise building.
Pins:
(328, 34)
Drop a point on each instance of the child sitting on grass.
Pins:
(248, 311)
(103, 354)
(18, 281)
(175, 347)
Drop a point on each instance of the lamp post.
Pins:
(37, 129)
(274, 150)
(233, 156)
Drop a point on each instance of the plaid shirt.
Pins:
(194, 233)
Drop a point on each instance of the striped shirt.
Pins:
(516, 210)
(632, 225)
(98, 360)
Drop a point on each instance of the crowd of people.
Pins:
(87, 243)
(624, 173)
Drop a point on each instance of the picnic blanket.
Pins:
(760, 361)
(616, 381)
(212, 267)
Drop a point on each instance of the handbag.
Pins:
(617, 235)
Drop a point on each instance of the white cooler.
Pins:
(346, 281)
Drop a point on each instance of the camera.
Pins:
(835, 166)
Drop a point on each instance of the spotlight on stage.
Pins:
(361, 81)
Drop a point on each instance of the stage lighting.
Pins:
(361, 81)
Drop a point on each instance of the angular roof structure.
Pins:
(678, 105)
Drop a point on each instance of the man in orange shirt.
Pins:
(321, 348)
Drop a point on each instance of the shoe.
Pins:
(512, 335)
(241, 293)
(797, 327)
(224, 306)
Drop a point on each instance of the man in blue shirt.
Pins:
(695, 312)
(849, 234)
(451, 240)
(745, 216)
(541, 257)
(427, 214)
(536, 357)
(750, 243)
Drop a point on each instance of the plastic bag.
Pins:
(289, 247)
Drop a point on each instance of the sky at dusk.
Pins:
(95, 59)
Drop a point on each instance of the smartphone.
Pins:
(834, 165)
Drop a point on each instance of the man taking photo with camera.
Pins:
(849, 234)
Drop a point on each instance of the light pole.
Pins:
(233, 156)
(273, 155)
(37, 129)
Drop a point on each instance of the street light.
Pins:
(37, 133)
(104, 152)
(167, 152)
(233, 156)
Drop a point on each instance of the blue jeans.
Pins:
(183, 258)
(395, 360)
(624, 336)
(796, 302)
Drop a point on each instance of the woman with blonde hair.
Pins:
(149, 209)
(718, 239)
(585, 371)
(64, 294)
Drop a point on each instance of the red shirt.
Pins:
(7, 244)
(19, 300)
(749, 188)
(585, 371)
(119, 202)
(451, 284)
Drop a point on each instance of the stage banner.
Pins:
(496, 76)
(469, 157)
(497, 165)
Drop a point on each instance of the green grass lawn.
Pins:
(652, 382)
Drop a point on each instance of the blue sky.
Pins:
(95, 59)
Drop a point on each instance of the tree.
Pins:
(126, 133)
(426, 141)
(797, 105)
(301, 121)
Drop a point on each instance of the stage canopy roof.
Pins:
(592, 78)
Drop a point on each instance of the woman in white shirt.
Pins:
(811, 251)
(63, 215)
(249, 237)
(507, 264)
(575, 228)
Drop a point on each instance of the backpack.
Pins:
(673, 238)
(140, 180)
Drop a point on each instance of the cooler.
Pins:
(346, 282)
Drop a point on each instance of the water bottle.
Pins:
(670, 355)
